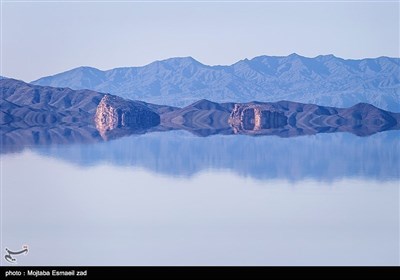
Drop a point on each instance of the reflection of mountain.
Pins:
(42, 117)
(34, 115)
(323, 157)
(325, 80)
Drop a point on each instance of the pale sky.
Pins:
(40, 39)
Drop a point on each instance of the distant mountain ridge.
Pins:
(326, 80)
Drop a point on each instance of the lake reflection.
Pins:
(324, 157)
(175, 199)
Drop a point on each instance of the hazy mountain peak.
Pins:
(87, 69)
(295, 55)
(182, 61)
(326, 58)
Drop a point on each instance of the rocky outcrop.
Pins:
(116, 113)
(255, 117)
(283, 118)
(288, 119)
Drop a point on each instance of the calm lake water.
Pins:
(176, 199)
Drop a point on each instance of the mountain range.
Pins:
(325, 80)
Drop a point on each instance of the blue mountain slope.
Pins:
(325, 80)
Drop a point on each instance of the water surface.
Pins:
(176, 199)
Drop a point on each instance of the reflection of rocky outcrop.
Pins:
(35, 115)
(287, 119)
(115, 114)
(24, 105)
